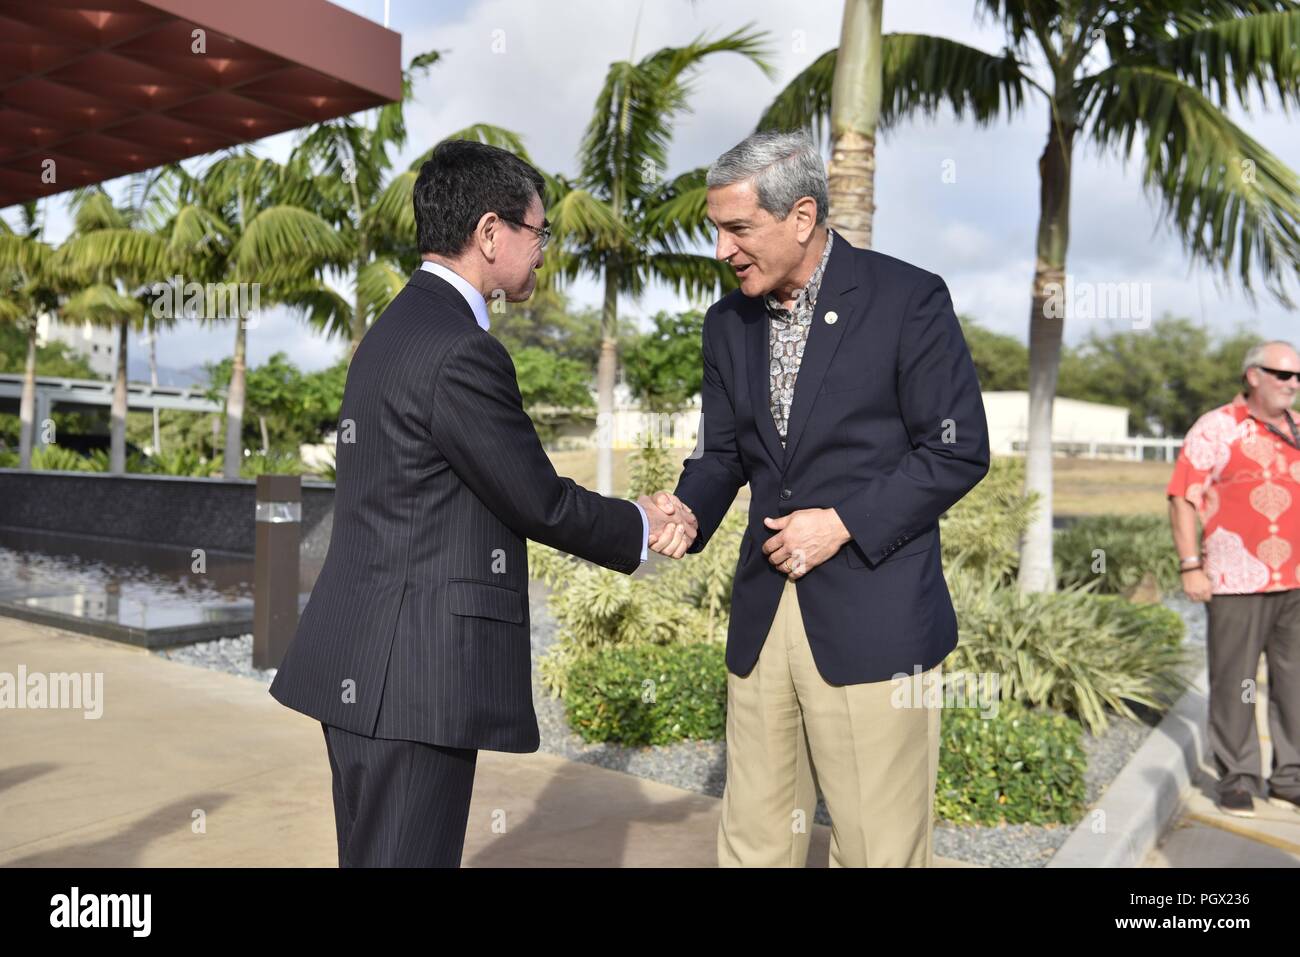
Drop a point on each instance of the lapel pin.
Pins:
(831, 317)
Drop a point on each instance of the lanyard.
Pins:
(1294, 441)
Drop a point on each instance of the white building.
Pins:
(96, 343)
(1088, 429)
(1081, 428)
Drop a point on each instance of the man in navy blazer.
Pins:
(838, 386)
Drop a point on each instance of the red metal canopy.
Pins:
(103, 88)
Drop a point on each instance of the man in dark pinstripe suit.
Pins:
(413, 651)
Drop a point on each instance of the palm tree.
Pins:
(1170, 70)
(244, 226)
(154, 194)
(855, 112)
(620, 221)
(30, 288)
(348, 167)
(110, 259)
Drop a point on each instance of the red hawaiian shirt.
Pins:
(1245, 483)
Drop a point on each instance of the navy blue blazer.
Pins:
(418, 626)
(887, 427)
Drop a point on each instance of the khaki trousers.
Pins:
(789, 732)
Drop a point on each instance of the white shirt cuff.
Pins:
(645, 533)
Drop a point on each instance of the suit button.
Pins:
(786, 493)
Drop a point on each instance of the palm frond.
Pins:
(93, 209)
(393, 212)
(581, 219)
(1230, 199)
(1234, 56)
(197, 236)
(128, 254)
(677, 215)
(920, 74)
(324, 308)
(625, 147)
(102, 305)
(805, 101)
(283, 242)
(695, 276)
(378, 283)
(497, 136)
(31, 256)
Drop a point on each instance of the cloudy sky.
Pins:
(535, 67)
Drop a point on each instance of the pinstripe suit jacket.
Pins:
(418, 626)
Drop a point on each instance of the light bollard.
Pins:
(275, 567)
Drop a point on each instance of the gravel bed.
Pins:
(701, 765)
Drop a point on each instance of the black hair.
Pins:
(460, 182)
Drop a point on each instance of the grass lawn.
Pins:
(1100, 487)
(1082, 486)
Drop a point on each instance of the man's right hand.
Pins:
(1196, 585)
(673, 525)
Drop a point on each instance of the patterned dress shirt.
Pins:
(787, 336)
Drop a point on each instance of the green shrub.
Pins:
(56, 459)
(1071, 651)
(1158, 625)
(1130, 546)
(1018, 767)
(9, 460)
(270, 463)
(328, 471)
(653, 467)
(682, 602)
(982, 531)
(181, 461)
(649, 694)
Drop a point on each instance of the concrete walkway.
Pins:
(189, 767)
(1204, 836)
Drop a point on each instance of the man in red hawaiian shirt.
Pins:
(1239, 470)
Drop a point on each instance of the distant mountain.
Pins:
(190, 377)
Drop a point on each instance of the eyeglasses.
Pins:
(1282, 375)
(543, 233)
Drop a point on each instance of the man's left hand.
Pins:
(804, 539)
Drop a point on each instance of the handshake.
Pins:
(673, 525)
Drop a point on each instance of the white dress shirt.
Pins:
(479, 305)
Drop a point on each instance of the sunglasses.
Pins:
(1282, 375)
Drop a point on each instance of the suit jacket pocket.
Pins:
(479, 599)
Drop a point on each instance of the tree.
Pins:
(348, 166)
(110, 258)
(28, 287)
(243, 233)
(1001, 361)
(856, 89)
(620, 221)
(1167, 376)
(1170, 70)
(286, 407)
(547, 320)
(664, 368)
(546, 378)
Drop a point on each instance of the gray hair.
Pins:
(1255, 356)
(785, 168)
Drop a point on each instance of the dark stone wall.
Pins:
(211, 513)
